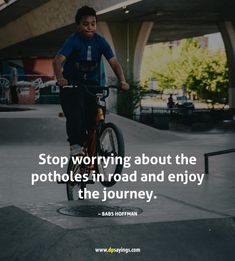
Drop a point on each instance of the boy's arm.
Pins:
(57, 66)
(119, 73)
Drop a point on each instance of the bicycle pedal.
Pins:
(90, 167)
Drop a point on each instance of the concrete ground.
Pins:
(184, 222)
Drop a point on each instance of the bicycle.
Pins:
(105, 140)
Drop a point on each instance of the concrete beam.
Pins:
(48, 17)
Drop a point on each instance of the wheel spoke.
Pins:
(111, 137)
(111, 145)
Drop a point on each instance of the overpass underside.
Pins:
(29, 29)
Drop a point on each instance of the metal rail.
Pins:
(207, 155)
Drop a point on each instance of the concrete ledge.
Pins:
(32, 130)
(25, 237)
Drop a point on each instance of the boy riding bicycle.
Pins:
(78, 62)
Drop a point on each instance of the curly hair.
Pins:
(84, 11)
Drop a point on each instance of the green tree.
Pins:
(129, 100)
(187, 64)
(210, 79)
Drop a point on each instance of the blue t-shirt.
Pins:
(83, 58)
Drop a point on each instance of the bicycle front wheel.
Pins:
(72, 188)
(110, 144)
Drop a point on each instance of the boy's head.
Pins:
(86, 20)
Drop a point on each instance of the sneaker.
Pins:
(76, 150)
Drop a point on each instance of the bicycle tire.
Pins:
(119, 150)
(73, 187)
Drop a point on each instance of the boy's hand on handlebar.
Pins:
(62, 82)
(124, 86)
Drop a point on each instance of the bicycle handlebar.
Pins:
(96, 88)
(92, 86)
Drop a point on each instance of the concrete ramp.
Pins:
(24, 237)
(32, 130)
(39, 129)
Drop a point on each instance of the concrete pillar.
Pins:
(103, 29)
(127, 46)
(129, 39)
(142, 39)
(227, 30)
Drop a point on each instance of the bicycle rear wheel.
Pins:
(110, 144)
(72, 188)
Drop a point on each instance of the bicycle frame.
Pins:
(94, 133)
(91, 144)
(96, 144)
